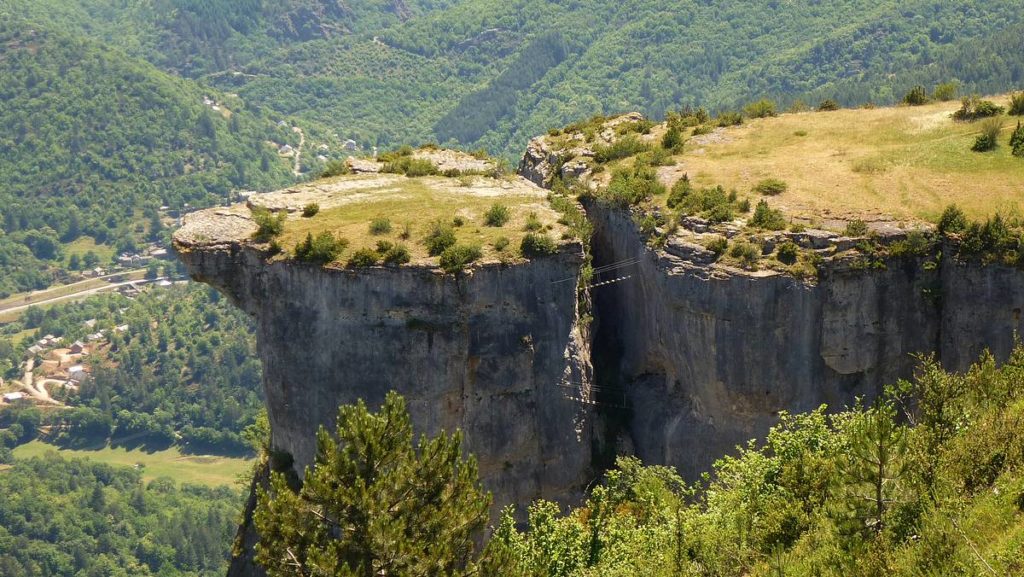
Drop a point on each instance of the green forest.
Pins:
(926, 481)
(74, 518)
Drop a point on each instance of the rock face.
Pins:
(495, 352)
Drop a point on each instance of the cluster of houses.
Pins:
(62, 364)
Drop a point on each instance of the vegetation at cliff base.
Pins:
(375, 503)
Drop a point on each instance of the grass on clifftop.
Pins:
(901, 162)
(409, 205)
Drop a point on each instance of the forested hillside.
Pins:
(94, 142)
(490, 73)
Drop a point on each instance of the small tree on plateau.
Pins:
(375, 504)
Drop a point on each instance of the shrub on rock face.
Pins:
(767, 218)
(268, 224)
(534, 245)
(397, 255)
(363, 257)
(321, 249)
(456, 257)
(953, 220)
(856, 227)
(787, 252)
(748, 253)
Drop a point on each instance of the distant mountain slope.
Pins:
(92, 137)
(489, 73)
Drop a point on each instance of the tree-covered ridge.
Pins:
(75, 518)
(93, 138)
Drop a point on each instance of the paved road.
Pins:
(77, 295)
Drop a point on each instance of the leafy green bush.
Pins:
(626, 146)
(440, 236)
(763, 108)
(458, 220)
(673, 139)
(321, 249)
(380, 225)
(787, 252)
(704, 200)
(717, 245)
(384, 245)
(989, 137)
(630, 186)
(310, 210)
(729, 119)
(973, 108)
(534, 245)
(533, 222)
(828, 105)
(363, 257)
(456, 257)
(661, 157)
(946, 91)
(268, 224)
(856, 227)
(720, 213)
(767, 218)
(335, 168)
(1016, 104)
(953, 220)
(747, 252)
(771, 187)
(1017, 141)
(916, 97)
(501, 243)
(497, 215)
(744, 206)
(703, 129)
(397, 255)
(411, 167)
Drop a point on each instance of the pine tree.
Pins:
(373, 504)
(872, 472)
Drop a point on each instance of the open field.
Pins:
(195, 469)
(350, 204)
(903, 162)
(84, 244)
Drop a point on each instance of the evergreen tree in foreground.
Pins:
(373, 504)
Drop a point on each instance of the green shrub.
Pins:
(628, 145)
(800, 133)
(648, 224)
(703, 129)
(380, 225)
(501, 243)
(411, 167)
(440, 236)
(720, 213)
(533, 222)
(406, 232)
(729, 119)
(497, 215)
(321, 249)
(384, 245)
(673, 139)
(856, 227)
(828, 105)
(771, 187)
(718, 245)
(534, 245)
(703, 200)
(268, 224)
(763, 108)
(363, 257)
(945, 92)
(458, 220)
(397, 255)
(787, 252)
(744, 206)
(1017, 141)
(630, 186)
(748, 253)
(916, 97)
(310, 210)
(688, 117)
(456, 257)
(1016, 104)
(661, 157)
(973, 108)
(989, 137)
(767, 218)
(953, 220)
(335, 168)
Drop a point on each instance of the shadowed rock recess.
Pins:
(691, 356)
